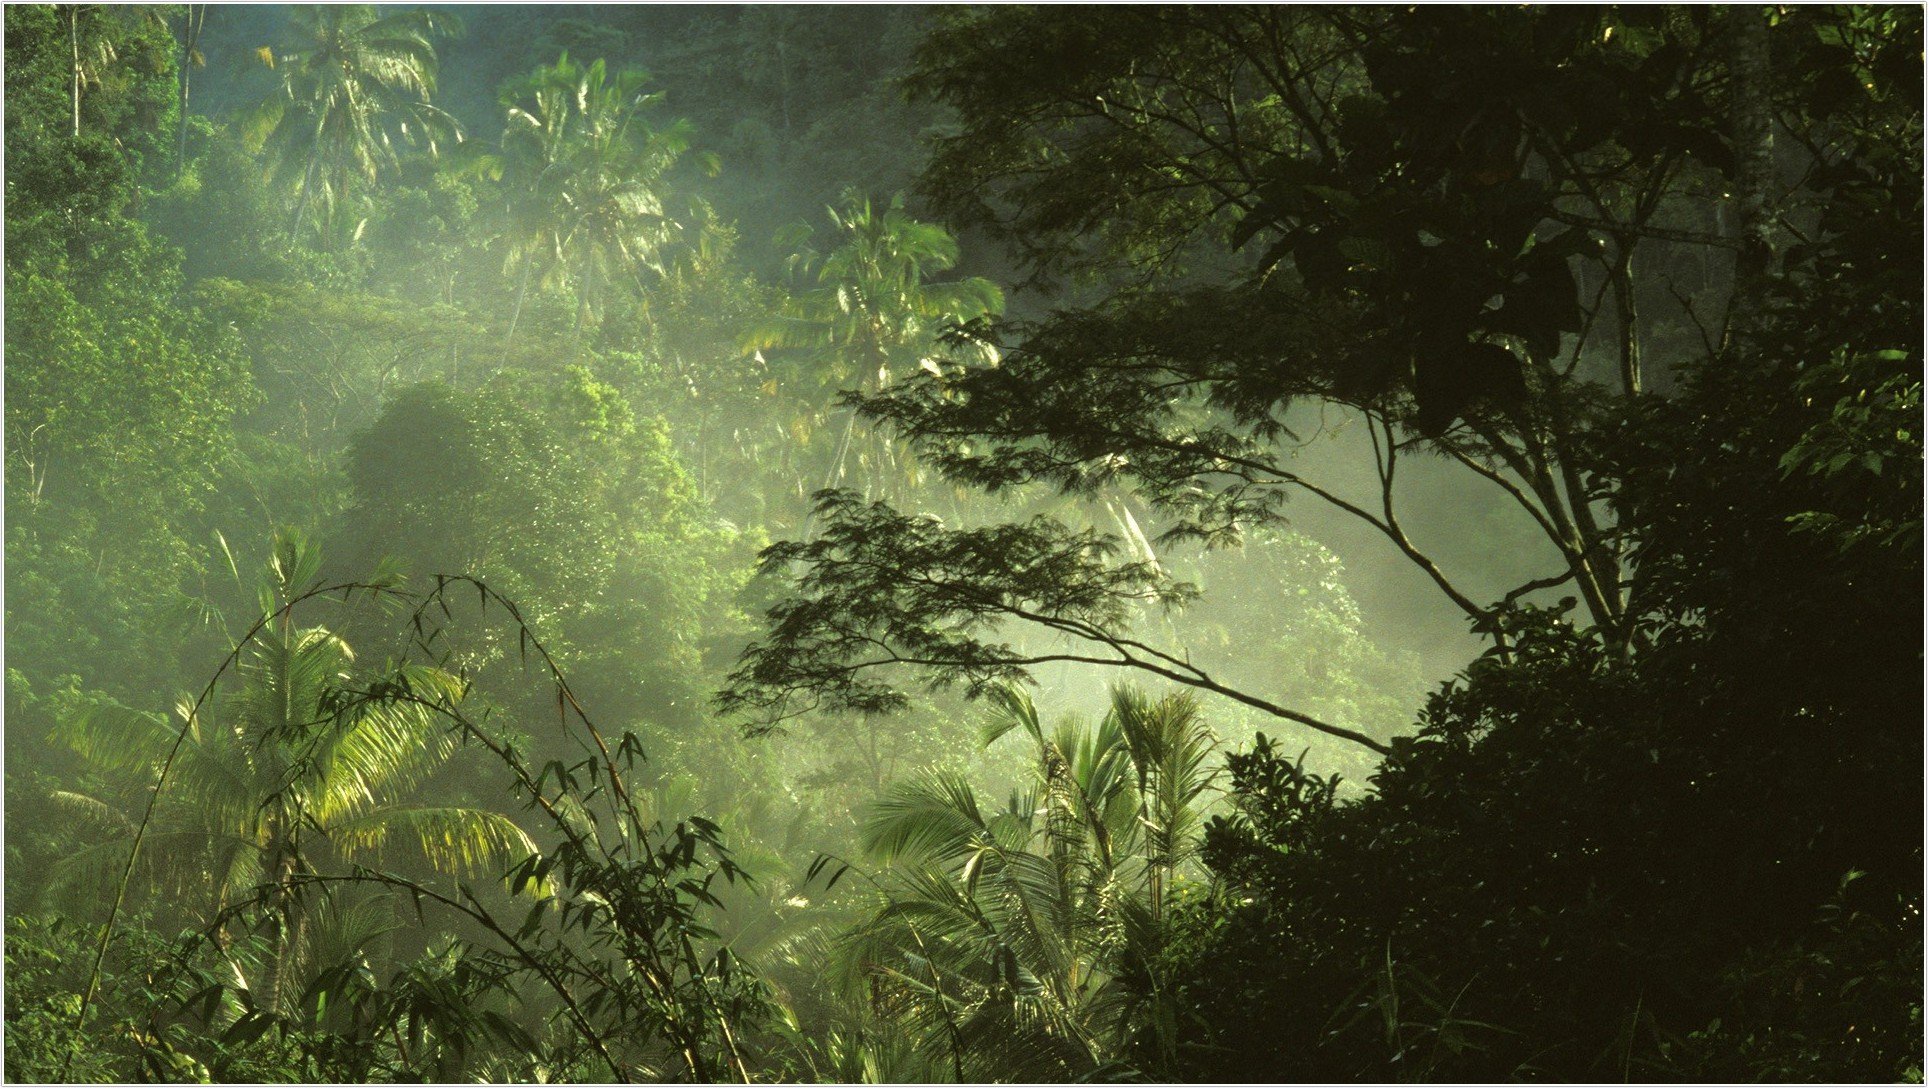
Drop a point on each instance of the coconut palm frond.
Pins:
(1012, 709)
(389, 749)
(257, 124)
(785, 331)
(114, 737)
(932, 815)
(215, 777)
(91, 812)
(240, 870)
(450, 839)
(287, 676)
(345, 929)
(175, 864)
(962, 300)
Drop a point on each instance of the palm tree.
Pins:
(875, 313)
(303, 766)
(95, 46)
(584, 170)
(358, 85)
(1023, 943)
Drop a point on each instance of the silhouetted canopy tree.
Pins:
(1425, 220)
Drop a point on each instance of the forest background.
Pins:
(1297, 544)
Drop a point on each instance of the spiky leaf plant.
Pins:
(310, 760)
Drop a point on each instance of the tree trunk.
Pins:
(190, 36)
(1623, 286)
(301, 206)
(289, 926)
(522, 292)
(836, 474)
(73, 39)
(455, 350)
(1752, 133)
(1135, 537)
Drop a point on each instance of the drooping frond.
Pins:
(114, 737)
(240, 869)
(215, 785)
(961, 300)
(932, 815)
(176, 865)
(286, 675)
(345, 929)
(453, 840)
(388, 746)
(1012, 708)
(90, 812)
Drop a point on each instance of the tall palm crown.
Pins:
(876, 310)
(1023, 944)
(875, 313)
(585, 170)
(357, 85)
(294, 770)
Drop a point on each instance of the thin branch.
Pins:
(1513, 489)
(1644, 231)
(167, 768)
(535, 963)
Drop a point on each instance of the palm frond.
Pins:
(114, 737)
(173, 867)
(1012, 709)
(90, 811)
(386, 750)
(452, 840)
(932, 815)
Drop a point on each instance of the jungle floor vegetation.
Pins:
(1280, 544)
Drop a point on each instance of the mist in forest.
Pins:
(898, 544)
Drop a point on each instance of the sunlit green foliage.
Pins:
(555, 490)
(1258, 354)
(121, 394)
(259, 782)
(876, 314)
(583, 171)
(354, 85)
(1024, 943)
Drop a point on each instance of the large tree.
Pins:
(1669, 307)
(1476, 234)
